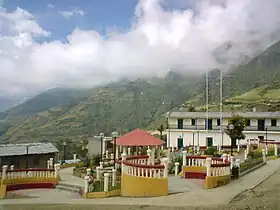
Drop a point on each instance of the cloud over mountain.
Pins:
(159, 39)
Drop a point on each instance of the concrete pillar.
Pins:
(106, 182)
(184, 158)
(245, 155)
(56, 170)
(125, 151)
(103, 146)
(263, 155)
(224, 157)
(4, 171)
(87, 177)
(162, 148)
(165, 163)
(128, 151)
(51, 162)
(101, 164)
(208, 166)
(112, 158)
(117, 152)
(149, 153)
(231, 162)
(114, 177)
(238, 148)
(106, 154)
(158, 153)
(275, 149)
(176, 168)
(75, 157)
(123, 159)
(48, 164)
(12, 167)
(266, 150)
(153, 156)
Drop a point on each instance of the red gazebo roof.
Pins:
(138, 137)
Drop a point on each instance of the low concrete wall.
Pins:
(216, 181)
(196, 171)
(102, 194)
(134, 186)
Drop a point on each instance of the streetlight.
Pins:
(231, 128)
(27, 148)
(114, 135)
(101, 146)
(266, 136)
(64, 150)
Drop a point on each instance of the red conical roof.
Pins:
(138, 137)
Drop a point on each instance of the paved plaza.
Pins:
(189, 197)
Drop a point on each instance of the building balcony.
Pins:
(217, 128)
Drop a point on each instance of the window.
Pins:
(218, 122)
(193, 121)
(180, 124)
(273, 122)
(248, 122)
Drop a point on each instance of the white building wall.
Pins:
(201, 137)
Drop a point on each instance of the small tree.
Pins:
(236, 132)
(161, 129)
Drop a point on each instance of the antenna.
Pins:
(207, 100)
(221, 106)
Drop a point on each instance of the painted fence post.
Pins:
(184, 158)
(238, 148)
(275, 149)
(208, 166)
(106, 154)
(247, 148)
(263, 155)
(149, 153)
(165, 163)
(266, 149)
(176, 168)
(106, 182)
(48, 164)
(12, 167)
(114, 177)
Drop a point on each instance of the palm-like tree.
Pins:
(161, 129)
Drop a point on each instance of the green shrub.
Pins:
(270, 153)
(211, 151)
(250, 163)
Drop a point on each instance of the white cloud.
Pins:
(70, 13)
(50, 6)
(158, 40)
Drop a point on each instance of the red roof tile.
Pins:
(138, 137)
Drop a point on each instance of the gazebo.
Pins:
(138, 138)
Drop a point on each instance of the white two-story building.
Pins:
(193, 128)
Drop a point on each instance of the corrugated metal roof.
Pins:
(21, 149)
(269, 115)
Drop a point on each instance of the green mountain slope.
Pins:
(116, 106)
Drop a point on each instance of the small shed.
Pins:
(31, 155)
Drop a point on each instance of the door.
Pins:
(261, 126)
(208, 124)
(209, 142)
(180, 143)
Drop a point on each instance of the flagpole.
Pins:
(221, 108)
(207, 100)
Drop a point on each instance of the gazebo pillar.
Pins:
(124, 150)
(117, 152)
(158, 152)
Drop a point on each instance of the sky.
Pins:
(74, 43)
